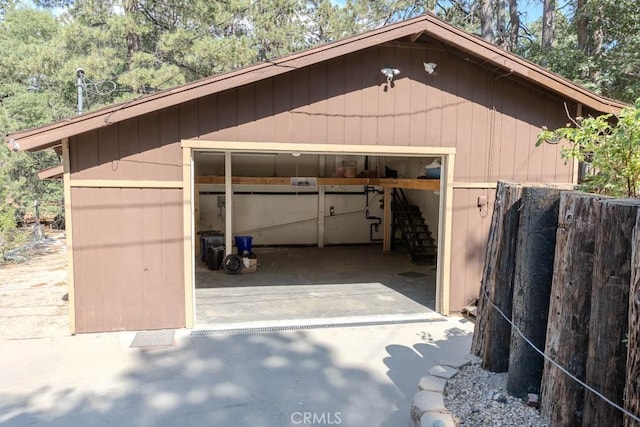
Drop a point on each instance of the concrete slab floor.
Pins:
(316, 283)
(357, 376)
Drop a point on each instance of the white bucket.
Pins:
(349, 169)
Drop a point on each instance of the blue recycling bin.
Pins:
(243, 243)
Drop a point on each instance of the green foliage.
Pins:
(619, 61)
(29, 84)
(32, 94)
(609, 62)
(22, 187)
(366, 15)
(10, 236)
(611, 145)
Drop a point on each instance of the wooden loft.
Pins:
(412, 184)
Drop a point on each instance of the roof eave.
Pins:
(51, 135)
(54, 172)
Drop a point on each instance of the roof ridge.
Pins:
(428, 23)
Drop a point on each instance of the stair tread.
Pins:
(414, 232)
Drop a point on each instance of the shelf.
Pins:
(415, 184)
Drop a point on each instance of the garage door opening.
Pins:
(334, 235)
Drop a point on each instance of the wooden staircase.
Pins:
(409, 227)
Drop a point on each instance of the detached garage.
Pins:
(311, 150)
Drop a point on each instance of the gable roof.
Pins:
(427, 24)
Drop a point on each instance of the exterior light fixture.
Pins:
(430, 67)
(389, 73)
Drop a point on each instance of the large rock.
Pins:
(436, 419)
(431, 383)
(446, 372)
(426, 401)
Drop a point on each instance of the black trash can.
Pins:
(215, 255)
(210, 238)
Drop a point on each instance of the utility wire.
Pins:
(557, 365)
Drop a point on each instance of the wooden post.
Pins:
(228, 204)
(532, 286)
(196, 218)
(386, 221)
(66, 182)
(607, 354)
(321, 218)
(562, 399)
(632, 386)
(187, 229)
(492, 332)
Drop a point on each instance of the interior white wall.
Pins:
(288, 219)
(292, 219)
(349, 224)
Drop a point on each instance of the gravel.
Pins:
(476, 397)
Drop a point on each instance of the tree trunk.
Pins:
(514, 24)
(582, 25)
(133, 45)
(492, 332)
(486, 20)
(562, 399)
(607, 356)
(548, 23)
(597, 47)
(532, 286)
(133, 38)
(501, 24)
(632, 386)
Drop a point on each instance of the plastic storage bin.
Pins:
(243, 243)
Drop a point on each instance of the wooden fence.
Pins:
(561, 266)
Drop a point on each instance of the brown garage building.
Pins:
(133, 172)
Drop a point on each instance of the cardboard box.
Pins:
(249, 265)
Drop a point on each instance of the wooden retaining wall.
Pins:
(570, 293)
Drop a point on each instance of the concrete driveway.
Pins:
(350, 376)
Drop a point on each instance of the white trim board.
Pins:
(443, 277)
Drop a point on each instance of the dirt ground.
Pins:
(31, 293)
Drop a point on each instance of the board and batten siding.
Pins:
(490, 117)
(470, 231)
(128, 258)
(144, 148)
(128, 250)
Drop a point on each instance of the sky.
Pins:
(532, 10)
